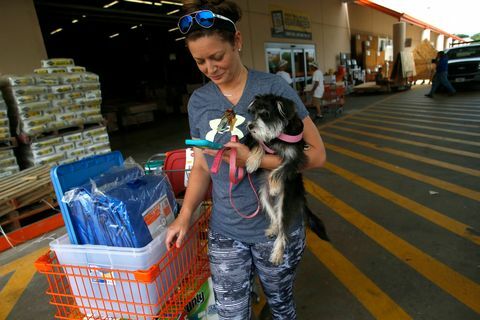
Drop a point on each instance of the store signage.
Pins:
(288, 23)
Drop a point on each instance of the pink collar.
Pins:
(284, 137)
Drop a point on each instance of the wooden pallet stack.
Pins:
(28, 206)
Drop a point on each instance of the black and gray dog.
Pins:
(276, 128)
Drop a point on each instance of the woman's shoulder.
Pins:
(203, 92)
(262, 76)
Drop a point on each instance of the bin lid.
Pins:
(70, 175)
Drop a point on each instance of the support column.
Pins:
(449, 42)
(426, 35)
(440, 42)
(399, 34)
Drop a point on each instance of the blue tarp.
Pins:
(109, 212)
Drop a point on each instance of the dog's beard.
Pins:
(265, 133)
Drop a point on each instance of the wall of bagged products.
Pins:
(54, 113)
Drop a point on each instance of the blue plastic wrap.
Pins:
(115, 209)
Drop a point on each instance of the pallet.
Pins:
(31, 231)
(24, 188)
(27, 206)
(22, 217)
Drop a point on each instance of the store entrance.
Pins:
(296, 57)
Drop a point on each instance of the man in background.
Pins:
(441, 75)
(282, 67)
(318, 88)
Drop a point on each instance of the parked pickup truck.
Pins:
(464, 64)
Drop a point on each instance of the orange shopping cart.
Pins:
(93, 283)
(333, 98)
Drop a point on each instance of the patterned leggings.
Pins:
(233, 264)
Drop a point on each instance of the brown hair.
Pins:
(225, 8)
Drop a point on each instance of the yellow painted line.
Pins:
(420, 210)
(422, 110)
(434, 162)
(453, 188)
(452, 282)
(375, 115)
(24, 272)
(377, 302)
(413, 143)
(355, 112)
(417, 134)
(429, 116)
(370, 119)
(435, 108)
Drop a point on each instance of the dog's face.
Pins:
(271, 115)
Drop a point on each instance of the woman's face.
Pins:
(216, 58)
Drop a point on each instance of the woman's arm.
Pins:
(317, 156)
(316, 152)
(198, 184)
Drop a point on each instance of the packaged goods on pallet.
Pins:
(66, 148)
(4, 123)
(42, 108)
(8, 162)
(61, 94)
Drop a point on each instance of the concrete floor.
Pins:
(400, 197)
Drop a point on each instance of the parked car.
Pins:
(464, 64)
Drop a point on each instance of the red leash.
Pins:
(235, 176)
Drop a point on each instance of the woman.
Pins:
(237, 246)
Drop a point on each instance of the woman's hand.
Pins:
(177, 230)
(243, 152)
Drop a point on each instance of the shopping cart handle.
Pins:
(44, 262)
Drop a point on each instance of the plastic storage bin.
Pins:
(104, 288)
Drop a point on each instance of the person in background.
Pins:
(282, 66)
(237, 247)
(441, 75)
(318, 89)
(379, 79)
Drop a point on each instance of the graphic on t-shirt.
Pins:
(215, 123)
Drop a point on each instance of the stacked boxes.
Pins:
(67, 148)
(59, 95)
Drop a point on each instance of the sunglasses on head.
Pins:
(204, 18)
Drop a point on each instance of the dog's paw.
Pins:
(276, 259)
(254, 160)
(252, 164)
(272, 231)
(278, 249)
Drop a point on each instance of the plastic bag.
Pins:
(122, 207)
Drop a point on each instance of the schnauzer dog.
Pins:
(277, 129)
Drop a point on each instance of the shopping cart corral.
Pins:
(100, 282)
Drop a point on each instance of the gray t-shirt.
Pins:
(205, 109)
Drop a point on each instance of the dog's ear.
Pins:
(286, 108)
(280, 109)
(250, 106)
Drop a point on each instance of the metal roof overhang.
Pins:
(404, 17)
